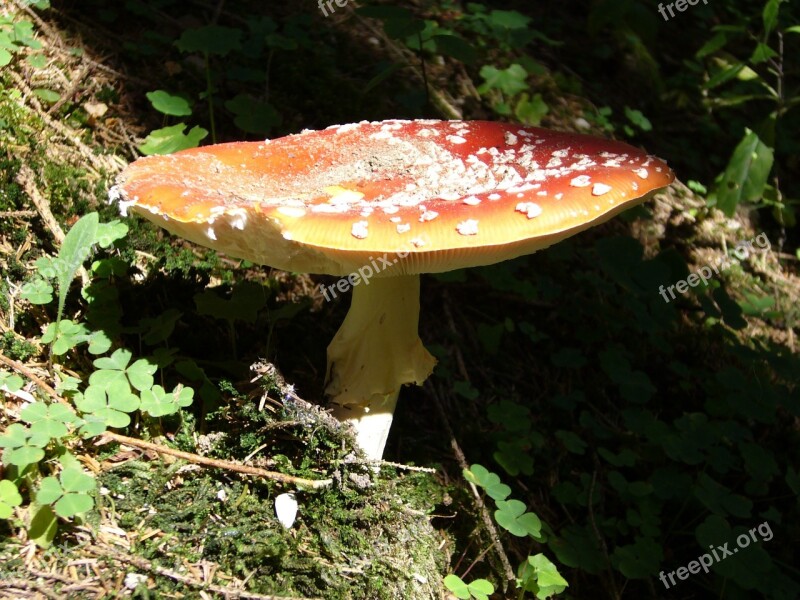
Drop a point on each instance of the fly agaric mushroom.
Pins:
(381, 203)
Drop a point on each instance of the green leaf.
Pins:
(74, 251)
(715, 43)
(746, 175)
(64, 335)
(482, 477)
(75, 480)
(37, 61)
(252, 115)
(44, 526)
(140, 374)
(541, 577)
(119, 360)
(157, 402)
(210, 39)
(11, 381)
(37, 291)
(23, 446)
(456, 47)
(110, 404)
(511, 516)
(572, 441)
(50, 420)
(46, 95)
(73, 504)
(510, 81)
(531, 111)
(478, 589)
(169, 104)
(245, 301)
(455, 584)
(640, 559)
(509, 19)
(172, 139)
(515, 456)
(762, 53)
(637, 118)
(5, 57)
(108, 233)
(770, 15)
(50, 490)
(9, 498)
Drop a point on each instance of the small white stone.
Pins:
(133, 580)
(286, 509)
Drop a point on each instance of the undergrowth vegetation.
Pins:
(584, 434)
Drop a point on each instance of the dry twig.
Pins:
(219, 464)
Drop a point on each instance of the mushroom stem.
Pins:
(376, 350)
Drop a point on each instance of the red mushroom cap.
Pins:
(442, 194)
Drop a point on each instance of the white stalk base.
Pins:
(376, 350)
(371, 422)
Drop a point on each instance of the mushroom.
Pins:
(380, 203)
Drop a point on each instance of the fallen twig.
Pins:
(219, 464)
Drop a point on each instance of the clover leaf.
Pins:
(68, 494)
(37, 291)
(23, 446)
(9, 498)
(511, 516)
(48, 419)
(115, 368)
(157, 402)
(10, 381)
(481, 476)
(110, 403)
(478, 589)
(541, 577)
